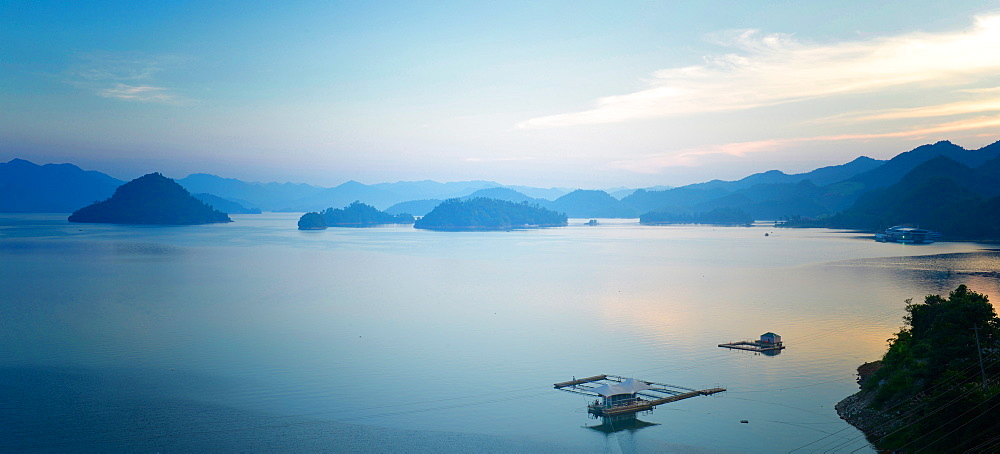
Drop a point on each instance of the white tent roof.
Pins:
(629, 386)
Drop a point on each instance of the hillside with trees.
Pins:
(150, 199)
(356, 214)
(488, 214)
(936, 387)
(940, 194)
(816, 194)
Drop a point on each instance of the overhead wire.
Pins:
(886, 411)
(925, 403)
(890, 419)
(950, 421)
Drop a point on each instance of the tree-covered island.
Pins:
(936, 388)
(488, 214)
(151, 199)
(717, 216)
(356, 214)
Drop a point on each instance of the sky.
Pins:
(572, 94)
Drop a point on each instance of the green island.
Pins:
(935, 389)
(488, 214)
(717, 216)
(151, 199)
(356, 214)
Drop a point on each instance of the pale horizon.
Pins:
(552, 94)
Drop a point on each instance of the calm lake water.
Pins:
(254, 336)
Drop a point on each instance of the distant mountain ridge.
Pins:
(52, 188)
(766, 195)
(225, 205)
(303, 197)
(774, 195)
(939, 194)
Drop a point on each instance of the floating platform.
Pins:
(754, 346)
(619, 396)
(580, 381)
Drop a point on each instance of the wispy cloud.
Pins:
(770, 69)
(655, 163)
(138, 93)
(509, 159)
(126, 76)
(942, 110)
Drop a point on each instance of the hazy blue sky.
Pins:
(543, 93)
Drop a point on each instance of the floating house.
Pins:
(768, 343)
(907, 235)
(770, 338)
(620, 396)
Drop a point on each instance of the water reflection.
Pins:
(612, 424)
(305, 325)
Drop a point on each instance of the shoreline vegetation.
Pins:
(938, 385)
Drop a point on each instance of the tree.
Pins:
(930, 381)
(312, 221)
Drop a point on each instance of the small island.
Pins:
(488, 214)
(935, 388)
(356, 214)
(151, 199)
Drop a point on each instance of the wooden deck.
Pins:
(645, 395)
(752, 346)
(579, 381)
(646, 405)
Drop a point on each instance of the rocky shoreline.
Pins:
(856, 409)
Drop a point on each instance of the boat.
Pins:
(907, 235)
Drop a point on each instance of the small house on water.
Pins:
(769, 342)
(620, 396)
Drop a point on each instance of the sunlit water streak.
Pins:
(244, 331)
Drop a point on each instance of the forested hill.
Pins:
(356, 214)
(820, 193)
(150, 199)
(941, 194)
(488, 214)
(936, 389)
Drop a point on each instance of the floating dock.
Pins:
(617, 396)
(580, 381)
(768, 343)
(753, 346)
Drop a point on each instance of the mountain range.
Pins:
(51, 188)
(828, 192)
